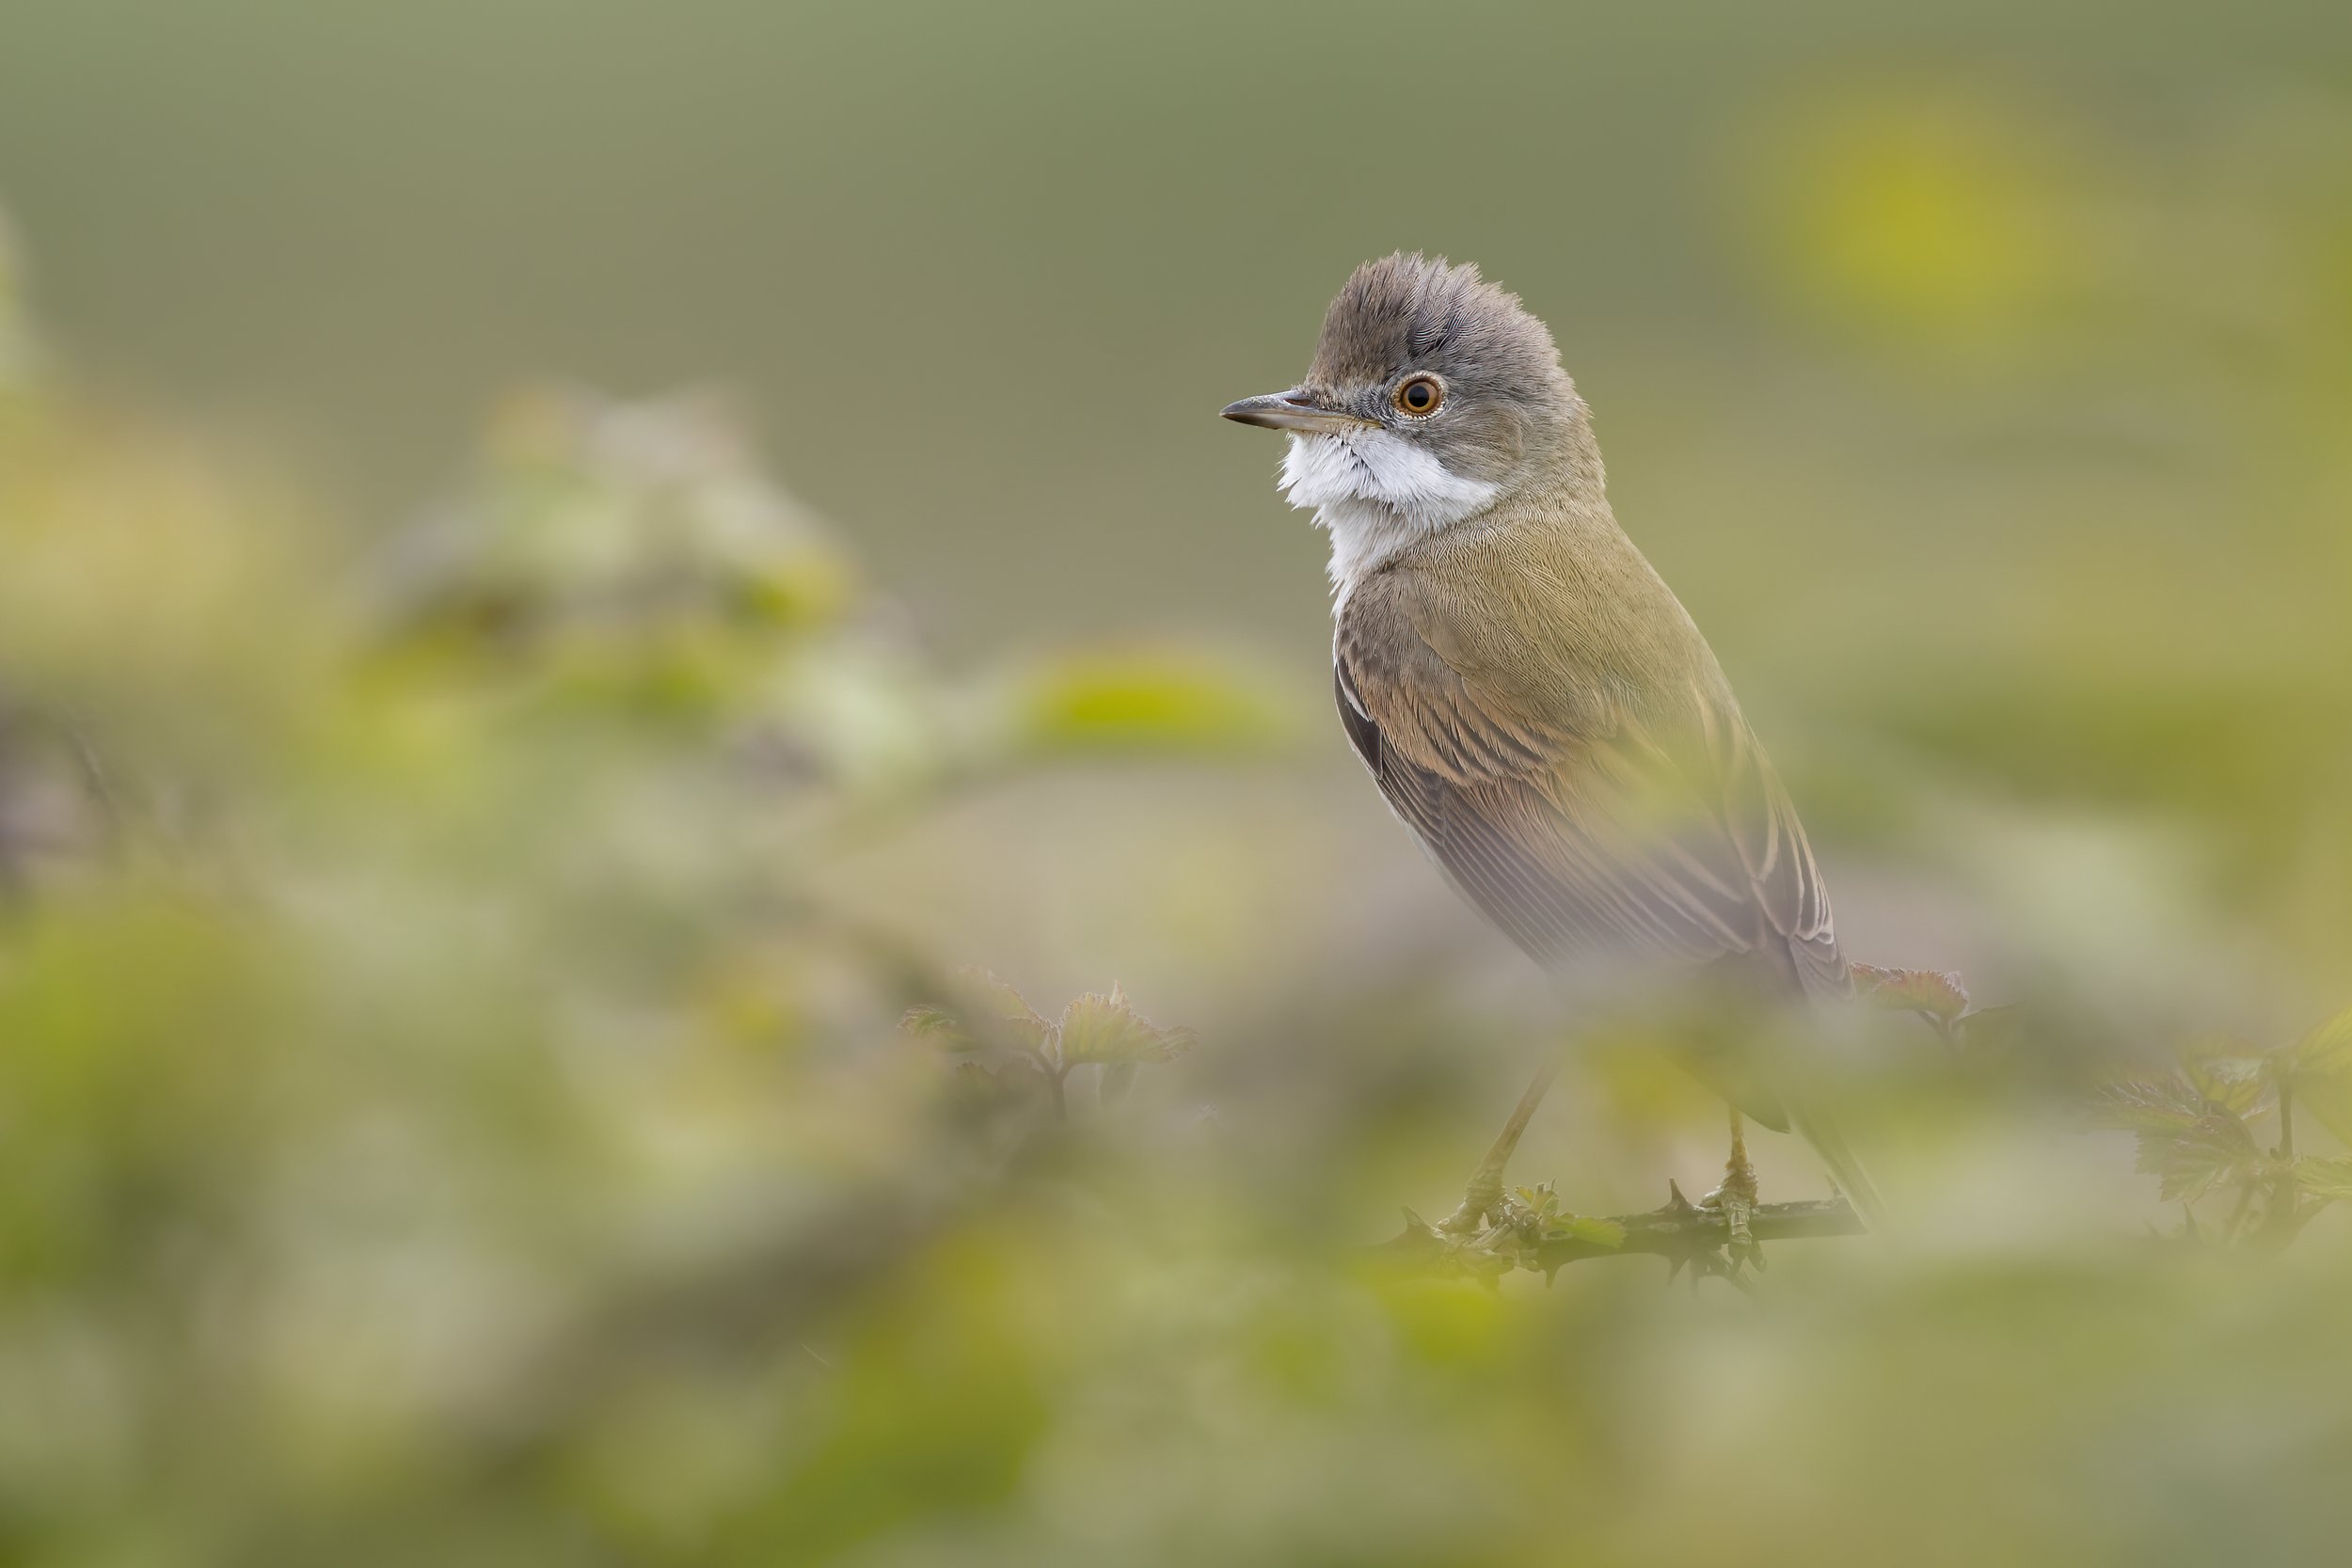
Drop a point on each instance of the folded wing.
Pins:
(1587, 829)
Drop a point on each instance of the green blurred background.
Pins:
(468, 839)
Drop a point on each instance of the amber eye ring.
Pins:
(1420, 395)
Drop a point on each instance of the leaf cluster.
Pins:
(1002, 1041)
(1938, 997)
(2196, 1128)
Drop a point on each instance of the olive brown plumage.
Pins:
(1528, 693)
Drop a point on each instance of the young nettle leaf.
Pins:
(939, 1026)
(1005, 1041)
(2218, 1150)
(2194, 1134)
(1936, 994)
(2226, 1072)
(982, 1018)
(2189, 1143)
(978, 1084)
(997, 1013)
(2325, 1176)
(1107, 1029)
(2153, 1104)
(2187, 1140)
(2326, 1049)
(2319, 1068)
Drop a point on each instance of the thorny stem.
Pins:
(1491, 1233)
(1684, 1233)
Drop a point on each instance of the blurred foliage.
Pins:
(1934, 995)
(421, 1012)
(485, 1059)
(2196, 1130)
(1003, 1041)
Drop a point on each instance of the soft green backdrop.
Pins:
(984, 271)
(1994, 354)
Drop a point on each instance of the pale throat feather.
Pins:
(1376, 492)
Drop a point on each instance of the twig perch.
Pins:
(1533, 1235)
(1496, 1231)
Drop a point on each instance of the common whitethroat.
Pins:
(1530, 696)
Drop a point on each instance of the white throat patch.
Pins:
(1376, 492)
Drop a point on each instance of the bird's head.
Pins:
(1432, 394)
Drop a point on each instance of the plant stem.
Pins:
(1678, 1230)
(1485, 1187)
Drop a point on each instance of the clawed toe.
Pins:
(1736, 1200)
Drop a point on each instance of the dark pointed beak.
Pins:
(1292, 410)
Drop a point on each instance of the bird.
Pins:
(1534, 702)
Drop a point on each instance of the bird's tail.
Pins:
(1818, 1127)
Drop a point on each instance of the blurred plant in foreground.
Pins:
(2196, 1137)
(1002, 1040)
(452, 1116)
(422, 1020)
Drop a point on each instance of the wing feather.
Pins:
(1586, 830)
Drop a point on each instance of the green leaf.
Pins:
(1938, 995)
(2216, 1149)
(2149, 1104)
(2330, 1101)
(2189, 1143)
(2320, 1067)
(939, 1026)
(2226, 1072)
(1105, 1029)
(2217, 1152)
(983, 1011)
(2325, 1176)
(2326, 1052)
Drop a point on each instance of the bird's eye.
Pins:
(1420, 395)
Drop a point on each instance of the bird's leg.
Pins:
(1484, 1197)
(1736, 1199)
